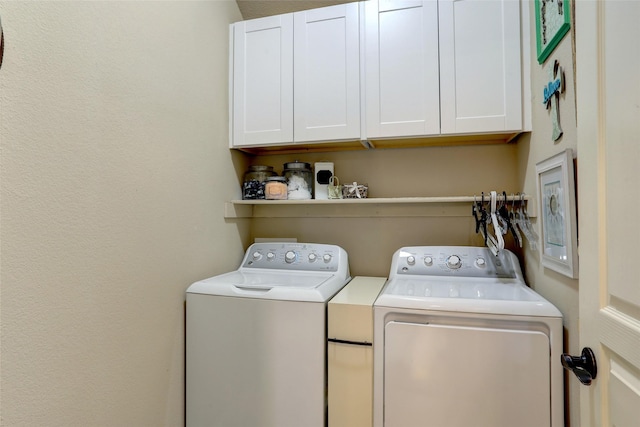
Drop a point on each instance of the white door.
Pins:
(480, 66)
(327, 74)
(608, 95)
(262, 81)
(401, 67)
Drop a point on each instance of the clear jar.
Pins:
(299, 180)
(275, 188)
(254, 181)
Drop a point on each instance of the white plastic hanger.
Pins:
(513, 217)
(497, 230)
(524, 223)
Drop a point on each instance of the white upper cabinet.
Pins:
(262, 81)
(441, 67)
(480, 66)
(381, 70)
(326, 74)
(401, 57)
(296, 77)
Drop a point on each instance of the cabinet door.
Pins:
(402, 86)
(480, 68)
(327, 74)
(262, 81)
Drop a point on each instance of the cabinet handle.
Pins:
(349, 342)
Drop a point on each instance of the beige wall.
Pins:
(114, 172)
(371, 240)
(560, 290)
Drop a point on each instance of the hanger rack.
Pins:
(497, 214)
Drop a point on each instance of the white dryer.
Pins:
(460, 340)
(256, 338)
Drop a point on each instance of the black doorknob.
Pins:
(584, 366)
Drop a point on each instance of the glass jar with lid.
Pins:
(254, 181)
(276, 188)
(299, 180)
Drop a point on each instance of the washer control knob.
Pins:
(326, 257)
(454, 261)
(271, 256)
(312, 257)
(428, 261)
(256, 255)
(480, 262)
(411, 260)
(290, 256)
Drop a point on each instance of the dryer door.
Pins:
(465, 376)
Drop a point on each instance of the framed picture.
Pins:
(556, 194)
(553, 20)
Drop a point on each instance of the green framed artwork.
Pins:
(553, 20)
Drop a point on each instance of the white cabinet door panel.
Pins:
(480, 66)
(402, 86)
(263, 81)
(327, 74)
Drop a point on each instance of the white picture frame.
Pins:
(558, 219)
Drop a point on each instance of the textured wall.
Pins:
(560, 290)
(371, 240)
(251, 9)
(114, 136)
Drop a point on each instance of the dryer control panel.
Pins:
(294, 256)
(464, 261)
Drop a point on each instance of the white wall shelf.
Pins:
(453, 206)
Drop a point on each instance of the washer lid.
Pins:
(493, 296)
(291, 286)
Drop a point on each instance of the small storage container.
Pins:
(299, 180)
(276, 188)
(355, 191)
(254, 181)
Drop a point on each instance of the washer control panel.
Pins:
(294, 256)
(465, 261)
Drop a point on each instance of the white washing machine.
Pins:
(460, 340)
(256, 338)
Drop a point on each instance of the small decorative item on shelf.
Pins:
(355, 191)
(334, 189)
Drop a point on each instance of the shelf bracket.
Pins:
(232, 210)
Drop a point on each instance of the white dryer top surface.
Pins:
(470, 296)
(461, 279)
